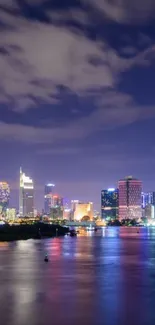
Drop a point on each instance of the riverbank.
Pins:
(35, 231)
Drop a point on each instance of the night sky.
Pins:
(77, 94)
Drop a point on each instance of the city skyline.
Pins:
(82, 112)
(58, 192)
(77, 113)
(127, 201)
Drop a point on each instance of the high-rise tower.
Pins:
(4, 196)
(48, 197)
(130, 190)
(109, 203)
(26, 195)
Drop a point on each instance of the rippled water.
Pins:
(106, 277)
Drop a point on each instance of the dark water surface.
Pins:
(103, 278)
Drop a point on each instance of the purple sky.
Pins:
(77, 94)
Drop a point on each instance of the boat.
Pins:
(46, 258)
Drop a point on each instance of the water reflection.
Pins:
(107, 277)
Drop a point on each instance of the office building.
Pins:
(11, 214)
(130, 190)
(153, 198)
(35, 213)
(67, 214)
(48, 197)
(147, 198)
(74, 204)
(4, 196)
(26, 195)
(73, 208)
(109, 203)
(57, 201)
(83, 209)
(149, 211)
(56, 211)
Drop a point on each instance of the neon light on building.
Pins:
(26, 195)
(48, 197)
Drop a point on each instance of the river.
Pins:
(107, 277)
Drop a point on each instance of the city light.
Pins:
(26, 195)
(113, 207)
(4, 196)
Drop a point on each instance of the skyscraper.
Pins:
(130, 190)
(109, 203)
(147, 198)
(56, 210)
(4, 196)
(73, 207)
(26, 195)
(48, 197)
(57, 201)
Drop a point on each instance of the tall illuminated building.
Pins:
(48, 197)
(73, 207)
(11, 214)
(130, 190)
(26, 195)
(74, 204)
(4, 196)
(56, 210)
(109, 203)
(57, 201)
(147, 198)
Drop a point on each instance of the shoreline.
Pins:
(35, 231)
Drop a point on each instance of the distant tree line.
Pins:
(35, 231)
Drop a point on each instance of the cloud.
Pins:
(126, 11)
(37, 135)
(114, 110)
(9, 4)
(35, 58)
(63, 16)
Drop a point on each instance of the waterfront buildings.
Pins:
(67, 214)
(147, 198)
(4, 196)
(57, 201)
(149, 211)
(82, 209)
(26, 195)
(48, 197)
(73, 207)
(56, 210)
(11, 214)
(130, 190)
(109, 203)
